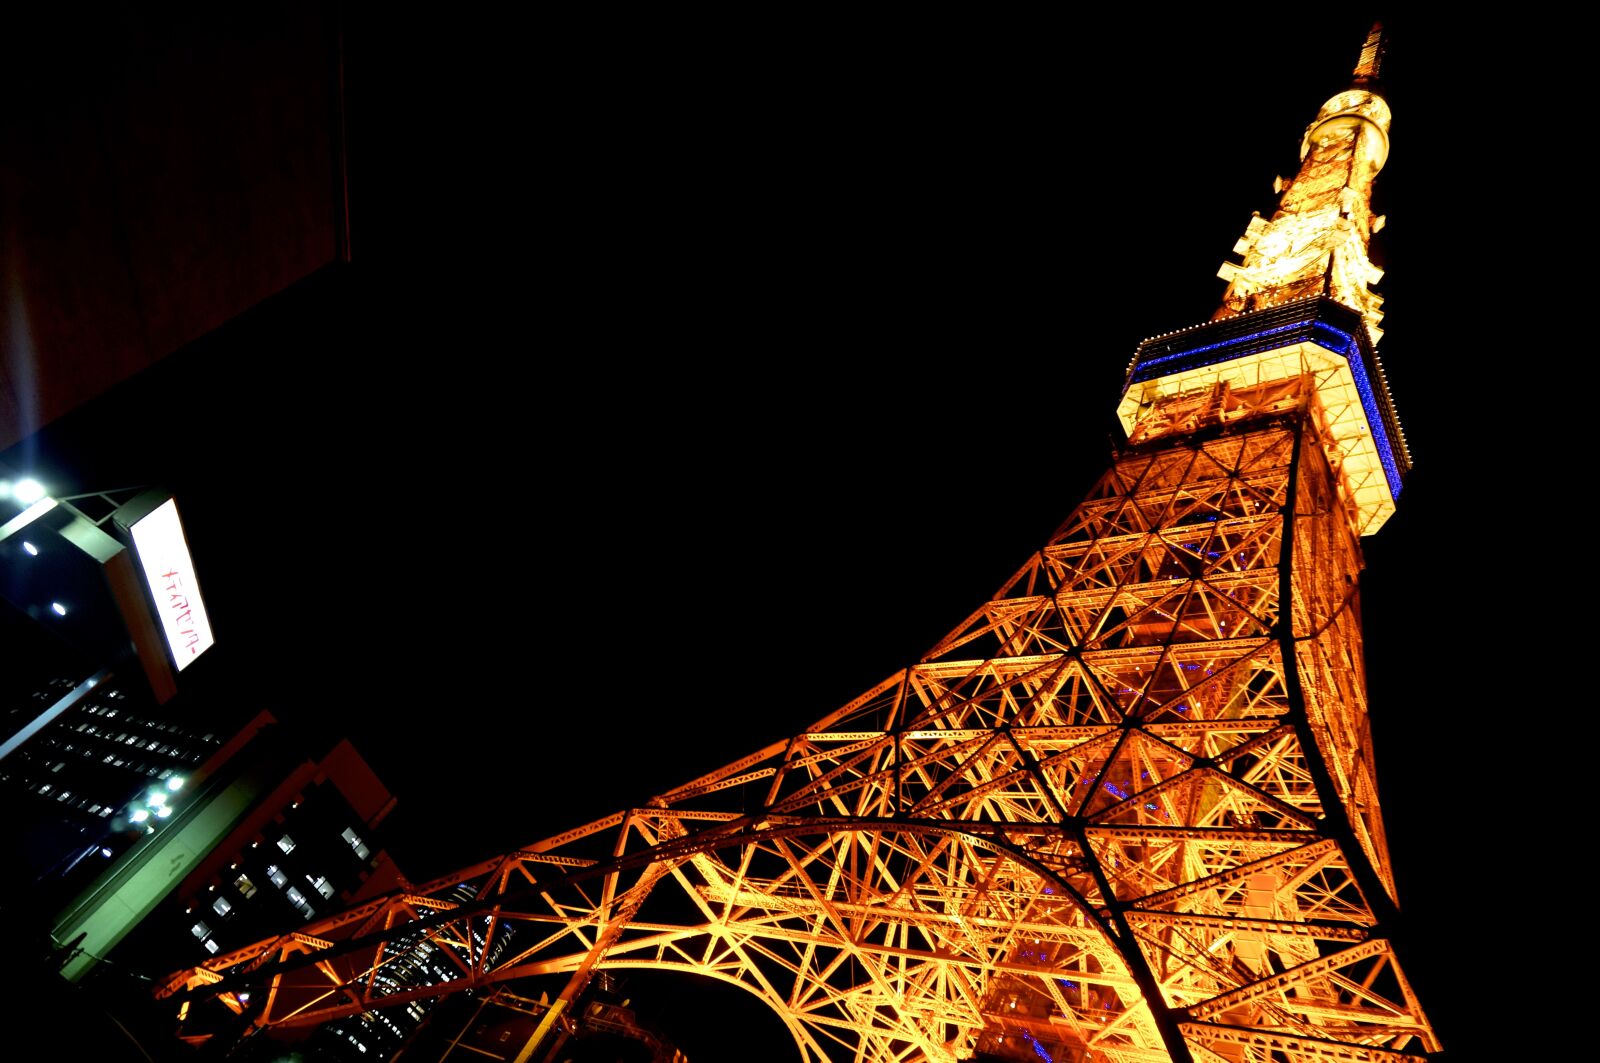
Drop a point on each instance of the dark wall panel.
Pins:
(161, 174)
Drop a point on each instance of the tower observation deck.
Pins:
(1124, 812)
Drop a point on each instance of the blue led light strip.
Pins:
(1345, 346)
(1369, 401)
(1142, 375)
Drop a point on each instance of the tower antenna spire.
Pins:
(1326, 207)
(1368, 69)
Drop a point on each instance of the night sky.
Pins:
(686, 380)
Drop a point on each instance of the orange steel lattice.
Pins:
(1125, 812)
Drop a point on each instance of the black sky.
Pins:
(689, 378)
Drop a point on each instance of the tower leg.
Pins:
(625, 911)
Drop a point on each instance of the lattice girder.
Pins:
(1094, 818)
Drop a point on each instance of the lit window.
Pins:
(286, 843)
(200, 930)
(245, 886)
(211, 945)
(279, 879)
(323, 886)
(296, 898)
(356, 843)
(222, 906)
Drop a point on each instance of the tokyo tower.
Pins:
(1125, 812)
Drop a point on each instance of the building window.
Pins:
(322, 885)
(222, 906)
(245, 887)
(200, 930)
(298, 899)
(356, 843)
(286, 843)
(211, 945)
(279, 879)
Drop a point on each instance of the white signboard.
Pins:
(170, 573)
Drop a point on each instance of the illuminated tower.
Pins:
(1125, 811)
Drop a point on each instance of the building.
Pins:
(306, 836)
(155, 189)
(103, 611)
(106, 772)
(154, 822)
